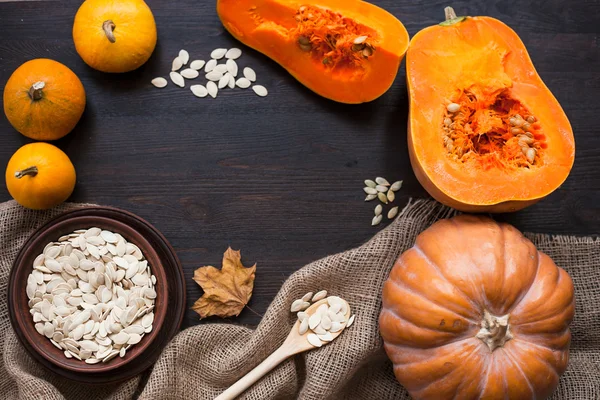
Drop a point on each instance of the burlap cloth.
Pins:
(203, 360)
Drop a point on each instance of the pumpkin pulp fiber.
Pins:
(485, 133)
(346, 51)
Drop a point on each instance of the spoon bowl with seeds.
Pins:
(331, 315)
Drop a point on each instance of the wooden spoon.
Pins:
(294, 344)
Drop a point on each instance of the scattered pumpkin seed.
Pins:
(233, 53)
(360, 39)
(176, 64)
(370, 190)
(396, 186)
(382, 197)
(184, 56)
(260, 90)
(392, 213)
(189, 73)
(243, 83)
(376, 220)
(210, 65)
(370, 197)
(159, 82)
(381, 188)
(217, 54)
(197, 64)
(382, 181)
(249, 74)
(390, 195)
(177, 79)
(378, 209)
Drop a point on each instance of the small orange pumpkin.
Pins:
(40, 176)
(43, 99)
(475, 311)
(114, 36)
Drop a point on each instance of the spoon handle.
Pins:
(258, 372)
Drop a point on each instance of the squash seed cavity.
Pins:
(497, 132)
(333, 39)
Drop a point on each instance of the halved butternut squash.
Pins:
(347, 51)
(485, 133)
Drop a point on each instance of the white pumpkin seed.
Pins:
(214, 76)
(370, 190)
(303, 328)
(176, 64)
(224, 81)
(382, 181)
(233, 53)
(370, 197)
(320, 295)
(189, 73)
(232, 67)
(243, 83)
(249, 74)
(222, 68)
(325, 337)
(314, 340)
(231, 83)
(199, 90)
(212, 89)
(314, 320)
(381, 188)
(370, 183)
(197, 64)
(350, 321)
(307, 296)
(159, 82)
(184, 56)
(177, 79)
(296, 305)
(260, 90)
(210, 65)
(217, 54)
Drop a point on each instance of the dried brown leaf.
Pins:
(226, 290)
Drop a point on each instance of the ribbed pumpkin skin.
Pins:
(434, 302)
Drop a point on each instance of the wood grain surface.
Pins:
(281, 177)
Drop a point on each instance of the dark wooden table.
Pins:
(281, 177)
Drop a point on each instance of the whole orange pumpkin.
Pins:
(40, 176)
(43, 99)
(475, 311)
(114, 36)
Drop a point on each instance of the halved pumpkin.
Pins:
(347, 51)
(485, 134)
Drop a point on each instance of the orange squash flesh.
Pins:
(481, 64)
(314, 41)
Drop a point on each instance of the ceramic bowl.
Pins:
(170, 288)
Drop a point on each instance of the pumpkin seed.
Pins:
(530, 155)
(453, 107)
(210, 65)
(382, 197)
(176, 64)
(214, 76)
(360, 39)
(376, 220)
(233, 53)
(184, 56)
(159, 82)
(297, 305)
(396, 186)
(217, 54)
(224, 81)
(197, 64)
(189, 73)
(177, 79)
(350, 321)
(260, 90)
(320, 295)
(378, 209)
(531, 119)
(243, 83)
(303, 328)
(392, 213)
(222, 68)
(249, 74)
(212, 89)
(307, 296)
(370, 190)
(390, 195)
(232, 67)
(314, 340)
(370, 183)
(381, 188)
(382, 181)
(370, 197)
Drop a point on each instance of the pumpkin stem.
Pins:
(495, 331)
(451, 17)
(35, 91)
(31, 171)
(109, 27)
